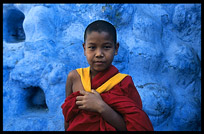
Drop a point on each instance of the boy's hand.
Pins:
(90, 101)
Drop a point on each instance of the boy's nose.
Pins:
(99, 53)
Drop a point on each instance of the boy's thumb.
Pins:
(93, 91)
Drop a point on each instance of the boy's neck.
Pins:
(93, 74)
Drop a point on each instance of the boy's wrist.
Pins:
(102, 107)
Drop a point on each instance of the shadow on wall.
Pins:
(13, 26)
(36, 99)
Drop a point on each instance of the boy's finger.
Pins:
(94, 91)
(79, 103)
(79, 98)
(82, 92)
(81, 107)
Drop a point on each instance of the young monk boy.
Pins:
(99, 98)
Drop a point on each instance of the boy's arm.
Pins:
(68, 91)
(112, 117)
(98, 105)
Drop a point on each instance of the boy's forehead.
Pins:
(103, 34)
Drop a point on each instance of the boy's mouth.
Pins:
(99, 62)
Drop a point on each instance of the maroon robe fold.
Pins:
(123, 98)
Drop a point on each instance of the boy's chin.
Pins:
(100, 68)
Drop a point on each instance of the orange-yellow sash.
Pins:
(86, 80)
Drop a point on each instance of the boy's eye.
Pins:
(107, 47)
(91, 47)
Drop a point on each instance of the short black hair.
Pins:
(101, 26)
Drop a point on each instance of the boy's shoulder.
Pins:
(72, 75)
(127, 80)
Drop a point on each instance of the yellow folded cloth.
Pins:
(86, 80)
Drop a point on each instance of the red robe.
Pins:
(123, 98)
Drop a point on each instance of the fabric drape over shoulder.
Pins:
(122, 97)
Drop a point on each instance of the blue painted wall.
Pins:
(160, 47)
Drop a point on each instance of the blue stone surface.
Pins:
(160, 47)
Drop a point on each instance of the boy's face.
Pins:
(99, 49)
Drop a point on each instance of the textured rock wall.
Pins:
(160, 47)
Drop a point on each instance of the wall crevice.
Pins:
(35, 99)
(13, 26)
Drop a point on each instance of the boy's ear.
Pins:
(84, 48)
(116, 48)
